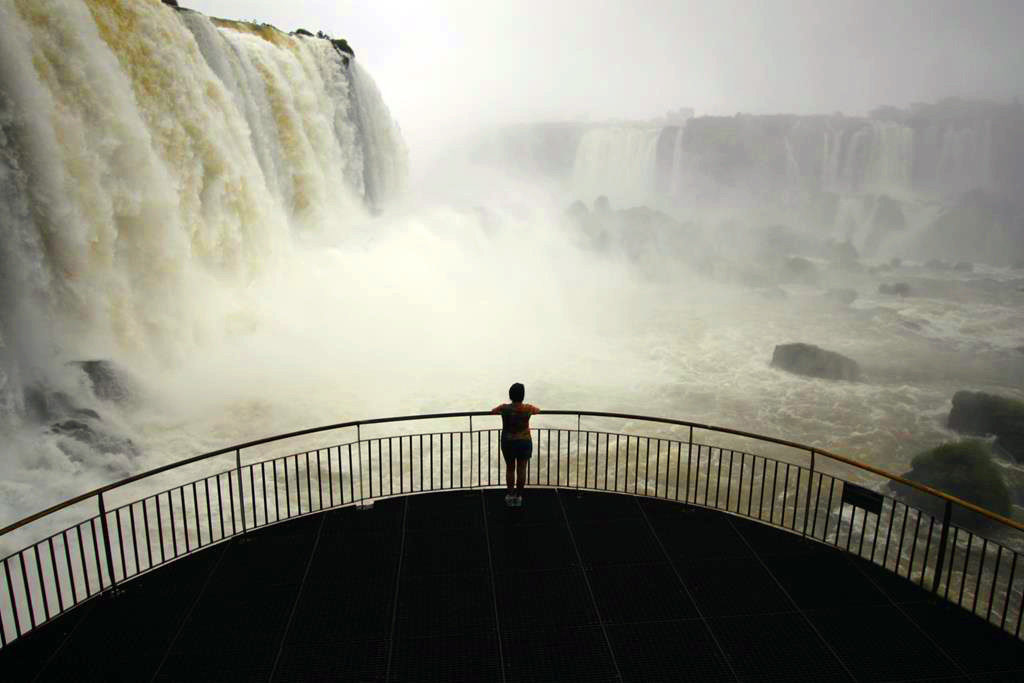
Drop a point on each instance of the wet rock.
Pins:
(108, 382)
(303, 32)
(982, 414)
(341, 45)
(814, 361)
(964, 469)
(42, 406)
(95, 438)
(894, 289)
(171, 3)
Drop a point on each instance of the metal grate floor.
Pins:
(572, 587)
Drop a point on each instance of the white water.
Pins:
(189, 200)
(617, 162)
(158, 171)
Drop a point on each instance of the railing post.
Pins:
(106, 544)
(241, 491)
(946, 517)
(689, 456)
(807, 505)
(577, 453)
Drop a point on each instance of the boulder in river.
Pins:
(814, 361)
(983, 414)
(964, 469)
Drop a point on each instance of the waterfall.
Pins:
(152, 157)
(890, 159)
(617, 161)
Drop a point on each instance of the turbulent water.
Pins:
(217, 208)
(155, 166)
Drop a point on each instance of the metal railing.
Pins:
(950, 547)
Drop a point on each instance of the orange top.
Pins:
(515, 419)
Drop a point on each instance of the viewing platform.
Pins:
(634, 558)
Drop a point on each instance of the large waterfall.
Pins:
(617, 161)
(767, 154)
(152, 158)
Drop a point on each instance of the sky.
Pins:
(455, 65)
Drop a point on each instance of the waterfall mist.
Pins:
(210, 234)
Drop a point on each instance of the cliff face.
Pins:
(863, 177)
(150, 155)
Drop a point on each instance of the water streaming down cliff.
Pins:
(151, 158)
(758, 154)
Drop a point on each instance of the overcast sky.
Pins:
(450, 65)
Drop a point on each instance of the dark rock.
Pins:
(982, 414)
(841, 296)
(98, 440)
(814, 361)
(108, 382)
(963, 266)
(171, 3)
(964, 469)
(303, 32)
(43, 406)
(341, 45)
(896, 288)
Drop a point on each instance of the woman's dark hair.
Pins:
(516, 392)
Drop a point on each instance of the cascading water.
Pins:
(145, 150)
(154, 165)
(617, 161)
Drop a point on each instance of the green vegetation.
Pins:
(964, 469)
(982, 414)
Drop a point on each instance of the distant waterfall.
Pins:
(617, 161)
(149, 155)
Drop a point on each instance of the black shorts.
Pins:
(516, 449)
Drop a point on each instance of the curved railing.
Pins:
(951, 547)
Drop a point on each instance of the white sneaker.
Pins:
(517, 502)
(510, 500)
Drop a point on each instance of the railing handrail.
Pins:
(579, 413)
